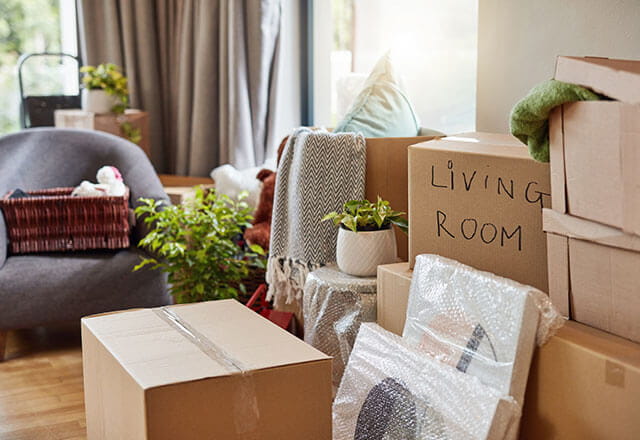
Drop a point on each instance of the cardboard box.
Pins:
(394, 282)
(387, 176)
(594, 273)
(207, 370)
(584, 384)
(477, 198)
(106, 122)
(594, 145)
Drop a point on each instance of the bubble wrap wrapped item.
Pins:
(392, 391)
(334, 305)
(479, 323)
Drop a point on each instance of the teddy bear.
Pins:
(110, 183)
(260, 232)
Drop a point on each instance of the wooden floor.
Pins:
(41, 394)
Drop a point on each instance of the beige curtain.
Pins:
(205, 70)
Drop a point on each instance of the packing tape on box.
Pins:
(244, 402)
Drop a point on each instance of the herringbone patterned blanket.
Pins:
(318, 173)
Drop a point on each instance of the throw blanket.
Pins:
(318, 173)
(530, 116)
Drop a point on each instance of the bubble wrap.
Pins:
(477, 322)
(334, 305)
(392, 391)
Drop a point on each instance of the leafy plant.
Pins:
(363, 215)
(109, 77)
(195, 245)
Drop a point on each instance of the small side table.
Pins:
(181, 188)
(334, 306)
(76, 118)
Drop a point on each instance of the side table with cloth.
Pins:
(334, 306)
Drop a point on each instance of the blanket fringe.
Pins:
(286, 277)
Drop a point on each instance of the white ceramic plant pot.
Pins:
(361, 253)
(98, 101)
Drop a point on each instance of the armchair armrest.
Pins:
(4, 241)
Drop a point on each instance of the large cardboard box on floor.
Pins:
(583, 384)
(594, 145)
(394, 282)
(594, 273)
(201, 371)
(477, 198)
(387, 176)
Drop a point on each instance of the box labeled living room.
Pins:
(323, 220)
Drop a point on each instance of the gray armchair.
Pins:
(38, 289)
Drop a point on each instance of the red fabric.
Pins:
(259, 304)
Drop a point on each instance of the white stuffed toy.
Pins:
(231, 181)
(110, 183)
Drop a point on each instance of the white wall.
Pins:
(433, 43)
(518, 41)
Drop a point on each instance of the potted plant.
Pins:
(196, 244)
(105, 87)
(366, 238)
(105, 90)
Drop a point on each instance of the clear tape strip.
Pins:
(212, 350)
(245, 401)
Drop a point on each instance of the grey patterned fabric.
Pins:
(44, 288)
(318, 173)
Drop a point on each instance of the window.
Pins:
(433, 44)
(35, 26)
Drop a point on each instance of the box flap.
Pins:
(401, 270)
(581, 229)
(155, 352)
(491, 144)
(617, 79)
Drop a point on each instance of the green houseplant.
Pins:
(363, 215)
(105, 90)
(196, 245)
(366, 238)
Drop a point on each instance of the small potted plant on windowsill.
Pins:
(196, 244)
(105, 90)
(366, 238)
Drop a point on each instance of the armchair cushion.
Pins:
(39, 289)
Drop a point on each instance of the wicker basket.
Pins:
(53, 220)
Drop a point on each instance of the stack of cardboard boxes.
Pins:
(479, 198)
(594, 260)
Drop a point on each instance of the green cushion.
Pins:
(381, 109)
